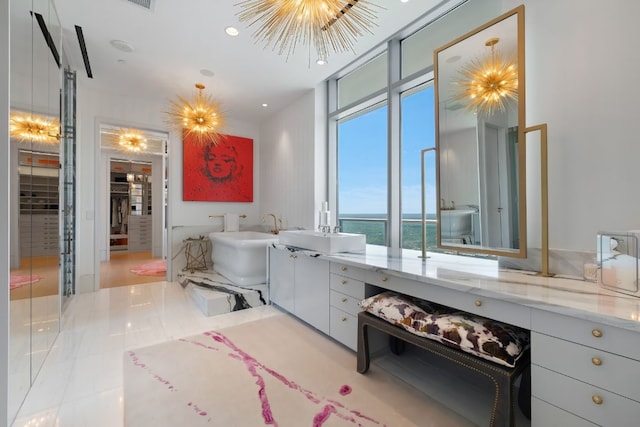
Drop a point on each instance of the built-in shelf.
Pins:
(130, 209)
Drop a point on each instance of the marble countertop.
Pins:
(563, 295)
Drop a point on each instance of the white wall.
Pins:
(293, 161)
(582, 65)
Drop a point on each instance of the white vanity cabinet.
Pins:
(589, 370)
(300, 284)
(347, 290)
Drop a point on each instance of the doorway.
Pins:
(132, 225)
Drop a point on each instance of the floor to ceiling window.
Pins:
(382, 127)
(362, 174)
(417, 124)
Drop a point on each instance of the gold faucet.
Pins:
(275, 230)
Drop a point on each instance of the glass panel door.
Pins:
(68, 186)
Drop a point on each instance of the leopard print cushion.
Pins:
(491, 340)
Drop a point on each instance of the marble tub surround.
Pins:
(214, 294)
(484, 278)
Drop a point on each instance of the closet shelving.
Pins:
(130, 209)
(39, 195)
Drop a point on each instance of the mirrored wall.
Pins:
(35, 191)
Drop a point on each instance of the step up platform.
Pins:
(214, 294)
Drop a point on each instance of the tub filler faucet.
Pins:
(275, 230)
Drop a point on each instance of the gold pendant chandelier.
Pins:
(488, 84)
(201, 117)
(132, 140)
(329, 25)
(34, 128)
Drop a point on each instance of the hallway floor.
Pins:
(113, 273)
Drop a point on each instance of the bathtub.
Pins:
(241, 256)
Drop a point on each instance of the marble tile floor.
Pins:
(80, 383)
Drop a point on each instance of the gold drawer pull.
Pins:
(596, 333)
(597, 399)
(478, 303)
(344, 300)
(596, 361)
(384, 278)
(344, 319)
(343, 268)
(344, 282)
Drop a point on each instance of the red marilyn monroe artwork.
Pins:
(218, 173)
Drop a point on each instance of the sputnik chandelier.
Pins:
(132, 140)
(329, 25)
(201, 117)
(34, 128)
(488, 83)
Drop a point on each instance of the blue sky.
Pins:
(362, 154)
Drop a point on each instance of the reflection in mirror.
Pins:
(480, 123)
(35, 79)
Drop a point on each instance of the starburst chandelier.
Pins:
(34, 128)
(488, 83)
(201, 117)
(329, 25)
(132, 140)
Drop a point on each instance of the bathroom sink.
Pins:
(330, 243)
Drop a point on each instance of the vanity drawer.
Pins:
(345, 303)
(589, 333)
(546, 415)
(503, 311)
(347, 285)
(606, 370)
(343, 327)
(584, 400)
(348, 271)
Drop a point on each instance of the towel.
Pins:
(231, 222)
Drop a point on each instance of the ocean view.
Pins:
(374, 226)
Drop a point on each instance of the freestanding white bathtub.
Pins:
(241, 256)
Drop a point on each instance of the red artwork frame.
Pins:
(217, 173)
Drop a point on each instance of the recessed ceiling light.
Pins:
(321, 61)
(122, 45)
(232, 31)
(404, 1)
(265, 105)
(207, 73)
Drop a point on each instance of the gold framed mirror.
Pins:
(480, 124)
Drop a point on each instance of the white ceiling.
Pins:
(177, 39)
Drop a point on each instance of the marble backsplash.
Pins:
(561, 262)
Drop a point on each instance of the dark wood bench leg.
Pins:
(396, 345)
(363, 346)
(503, 416)
(524, 395)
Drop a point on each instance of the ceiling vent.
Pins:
(147, 4)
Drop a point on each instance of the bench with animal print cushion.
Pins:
(486, 347)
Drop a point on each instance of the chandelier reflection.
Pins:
(201, 117)
(489, 83)
(34, 128)
(132, 140)
(328, 25)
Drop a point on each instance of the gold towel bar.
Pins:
(222, 216)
